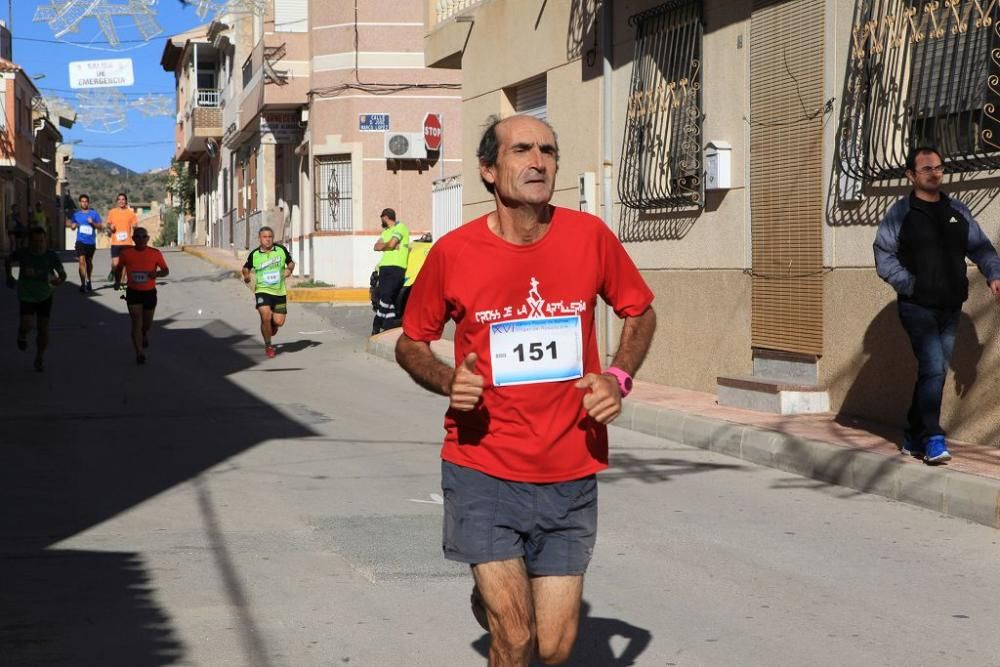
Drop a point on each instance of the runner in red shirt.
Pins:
(526, 429)
(142, 265)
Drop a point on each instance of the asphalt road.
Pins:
(215, 508)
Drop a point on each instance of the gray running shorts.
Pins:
(553, 527)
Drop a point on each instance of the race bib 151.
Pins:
(536, 350)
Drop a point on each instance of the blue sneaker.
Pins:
(937, 450)
(911, 447)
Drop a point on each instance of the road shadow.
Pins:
(295, 346)
(93, 437)
(624, 466)
(593, 647)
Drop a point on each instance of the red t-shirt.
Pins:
(141, 265)
(527, 432)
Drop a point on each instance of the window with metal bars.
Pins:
(661, 164)
(334, 202)
(921, 73)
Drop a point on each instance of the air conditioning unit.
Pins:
(405, 146)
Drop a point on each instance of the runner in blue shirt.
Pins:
(86, 222)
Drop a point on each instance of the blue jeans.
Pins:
(932, 336)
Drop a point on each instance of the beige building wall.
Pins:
(697, 262)
(867, 363)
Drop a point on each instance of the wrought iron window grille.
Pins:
(661, 164)
(921, 72)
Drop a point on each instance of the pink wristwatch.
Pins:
(624, 379)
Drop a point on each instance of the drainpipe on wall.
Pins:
(607, 143)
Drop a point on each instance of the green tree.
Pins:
(180, 182)
(168, 230)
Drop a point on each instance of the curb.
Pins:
(208, 257)
(327, 294)
(958, 494)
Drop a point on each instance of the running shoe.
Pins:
(22, 344)
(90, 288)
(83, 288)
(39, 364)
(270, 351)
(911, 447)
(937, 450)
(140, 359)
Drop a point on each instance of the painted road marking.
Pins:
(436, 499)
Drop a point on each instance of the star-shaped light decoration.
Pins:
(102, 110)
(59, 106)
(154, 105)
(65, 16)
(217, 7)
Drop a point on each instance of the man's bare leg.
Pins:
(41, 342)
(557, 616)
(277, 321)
(135, 313)
(24, 327)
(507, 596)
(82, 260)
(265, 324)
(147, 324)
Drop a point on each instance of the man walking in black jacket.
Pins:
(920, 250)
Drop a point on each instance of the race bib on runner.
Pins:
(138, 276)
(85, 229)
(271, 277)
(122, 236)
(536, 350)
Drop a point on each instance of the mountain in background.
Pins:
(103, 179)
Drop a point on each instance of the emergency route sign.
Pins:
(101, 73)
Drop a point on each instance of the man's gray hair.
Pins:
(489, 146)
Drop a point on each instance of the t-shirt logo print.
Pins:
(535, 300)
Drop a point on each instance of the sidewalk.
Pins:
(831, 449)
(228, 259)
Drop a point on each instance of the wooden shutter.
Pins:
(241, 189)
(786, 175)
(253, 181)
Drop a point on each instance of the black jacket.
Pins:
(920, 250)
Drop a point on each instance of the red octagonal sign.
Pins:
(432, 131)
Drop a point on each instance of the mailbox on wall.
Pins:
(718, 165)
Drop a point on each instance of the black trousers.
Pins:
(390, 284)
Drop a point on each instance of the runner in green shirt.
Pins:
(268, 265)
(394, 244)
(40, 273)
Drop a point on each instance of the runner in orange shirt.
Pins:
(122, 223)
(143, 265)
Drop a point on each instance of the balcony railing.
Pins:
(446, 9)
(209, 98)
(204, 98)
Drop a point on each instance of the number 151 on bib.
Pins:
(538, 350)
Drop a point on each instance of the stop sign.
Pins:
(432, 131)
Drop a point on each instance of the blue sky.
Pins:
(146, 142)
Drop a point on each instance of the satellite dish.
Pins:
(212, 148)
